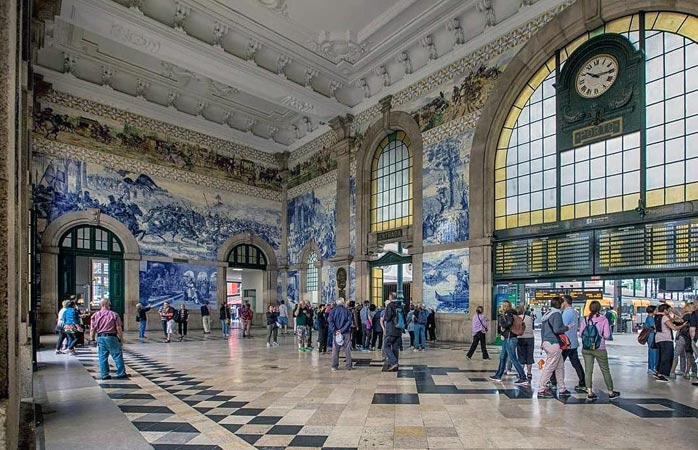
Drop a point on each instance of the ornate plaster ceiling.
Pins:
(266, 73)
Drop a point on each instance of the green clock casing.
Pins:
(600, 92)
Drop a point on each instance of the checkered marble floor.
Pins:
(211, 393)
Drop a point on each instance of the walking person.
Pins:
(167, 317)
(594, 331)
(107, 328)
(510, 328)
(182, 321)
(652, 350)
(525, 345)
(664, 338)
(479, 328)
(393, 335)
(431, 325)
(206, 318)
(551, 327)
(272, 326)
(59, 328)
(570, 318)
(283, 317)
(246, 316)
(71, 326)
(420, 328)
(339, 324)
(224, 315)
(142, 319)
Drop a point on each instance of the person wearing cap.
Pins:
(107, 328)
(340, 323)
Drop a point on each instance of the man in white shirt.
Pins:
(283, 317)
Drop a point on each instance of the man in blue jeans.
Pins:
(106, 326)
(420, 328)
(509, 341)
(339, 323)
(393, 335)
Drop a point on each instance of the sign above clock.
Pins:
(600, 92)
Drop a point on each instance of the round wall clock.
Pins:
(596, 76)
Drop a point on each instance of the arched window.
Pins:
(653, 167)
(90, 239)
(391, 183)
(247, 256)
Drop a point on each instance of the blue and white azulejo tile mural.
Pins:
(293, 286)
(446, 186)
(312, 216)
(352, 216)
(177, 283)
(447, 280)
(329, 284)
(167, 218)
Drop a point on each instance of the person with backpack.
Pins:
(664, 325)
(551, 327)
(480, 326)
(594, 331)
(340, 322)
(570, 319)
(142, 319)
(394, 327)
(652, 350)
(166, 316)
(683, 353)
(182, 319)
(420, 328)
(526, 343)
(510, 327)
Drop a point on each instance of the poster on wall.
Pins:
(177, 283)
(447, 281)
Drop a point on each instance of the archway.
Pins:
(53, 245)
(249, 263)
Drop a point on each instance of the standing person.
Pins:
(664, 338)
(283, 317)
(206, 318)
(71, 326)
(355, 329)
(570, 318)
(339, 325)
(431, 324)
(599, 331)
(420, 328)
(393, 335)
(224, 315)
(551, 326)
(295, 314)
(479, 330)
(142, 319)
(183, 321)
(301, 326)
(323, 326)
(652, 350)
(510, 327)
(611, 317)
(377, 330)
(410, 321)
(693, 334)
(246, 315)
(365, 326)
(683, 354)
(106, 327)
(272, 327)
(525, 345)
(310, 321)
(167, 317)
(59, 327)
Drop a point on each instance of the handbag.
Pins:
(562, 339)
(644, 335)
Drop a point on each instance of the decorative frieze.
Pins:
(67, 151)
(221, 146)
(322, 180)
(323, 141)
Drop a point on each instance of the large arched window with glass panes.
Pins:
(391, 183)
(536, 184)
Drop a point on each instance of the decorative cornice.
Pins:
(428, 84)
(322, 180)
(165, 129)
(61, 150)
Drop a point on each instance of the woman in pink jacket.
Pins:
(594, 349)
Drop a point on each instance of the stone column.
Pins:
(282, 160)
(342, 127)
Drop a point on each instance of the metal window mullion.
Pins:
(558, 181)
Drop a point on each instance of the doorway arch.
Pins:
(270, 275)
(51, 248)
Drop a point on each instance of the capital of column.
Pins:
(342, 126)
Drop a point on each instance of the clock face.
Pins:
(596, 76)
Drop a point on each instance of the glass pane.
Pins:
(675, 173)
(655, 177)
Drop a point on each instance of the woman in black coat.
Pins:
(431, 325)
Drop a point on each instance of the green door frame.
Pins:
(389, 259)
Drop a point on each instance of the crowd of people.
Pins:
(672, 342)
